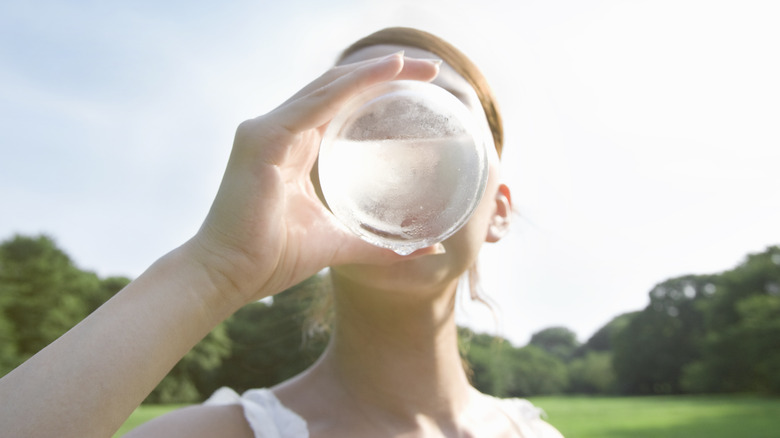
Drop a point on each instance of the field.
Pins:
(142, 415)
(634, 417)
(667, 417)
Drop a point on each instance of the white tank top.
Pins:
(268, 418)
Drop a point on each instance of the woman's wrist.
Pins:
(212, 276)
(229, 272)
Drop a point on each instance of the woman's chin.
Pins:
(426, 273)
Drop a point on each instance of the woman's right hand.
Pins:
(267, 229)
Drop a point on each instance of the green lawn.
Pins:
(142, 415)
(634, 417)
(667, 417)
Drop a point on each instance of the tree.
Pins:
(741, 351)
(8, 354)
(533, 371)
(502, 370)
(44, 293)
(706, 333)
(592, 373)
(759, 331)
(485, 358)
(268, 341)
(591, 369)
(184, 382)
(656, 344)
(604, 338)
(558, 341)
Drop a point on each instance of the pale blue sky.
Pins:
(642, 138)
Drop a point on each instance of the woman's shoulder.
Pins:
(197, 421)
(527, 417)
(253, 414)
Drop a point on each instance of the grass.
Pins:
(635, 417)
(143, 414)
(668, 417)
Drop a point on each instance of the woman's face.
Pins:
(432, 272)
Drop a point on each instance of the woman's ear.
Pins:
(499, 223)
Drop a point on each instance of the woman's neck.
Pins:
(392, 356)
(397, 350)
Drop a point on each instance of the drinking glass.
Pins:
(403, 165)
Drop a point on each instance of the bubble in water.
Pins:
(403, 165)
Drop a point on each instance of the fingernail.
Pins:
(399, 53)
(438, 249)
(436, 62)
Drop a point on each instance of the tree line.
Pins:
(713, 333)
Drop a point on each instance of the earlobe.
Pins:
(499, 223)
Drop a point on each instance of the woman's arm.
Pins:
(89, 381)
(266, 231)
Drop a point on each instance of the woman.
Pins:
(392, 367)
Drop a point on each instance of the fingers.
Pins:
(333, 74)
(355, 250)
(417, 69)
(318, 102)
(314, 108)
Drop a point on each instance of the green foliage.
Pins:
(484, 356)
(267, 341)
(43, 295)
(759, 331)
(592, 374)
(591, 369)
(8, 354)
(707, 333)
(259, 346)
(502, 370)
(699, 333)
(536, 372)
(759, 274)
(654, 346)
(604, 338)
(184, 381)
(742, 349)
(558, 341)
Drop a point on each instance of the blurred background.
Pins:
(641, 136)
(642, 150)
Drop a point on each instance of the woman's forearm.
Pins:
(86, 383)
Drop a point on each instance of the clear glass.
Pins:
(403, 165)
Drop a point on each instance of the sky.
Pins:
(642, 138)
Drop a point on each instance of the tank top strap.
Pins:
(266, 415)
